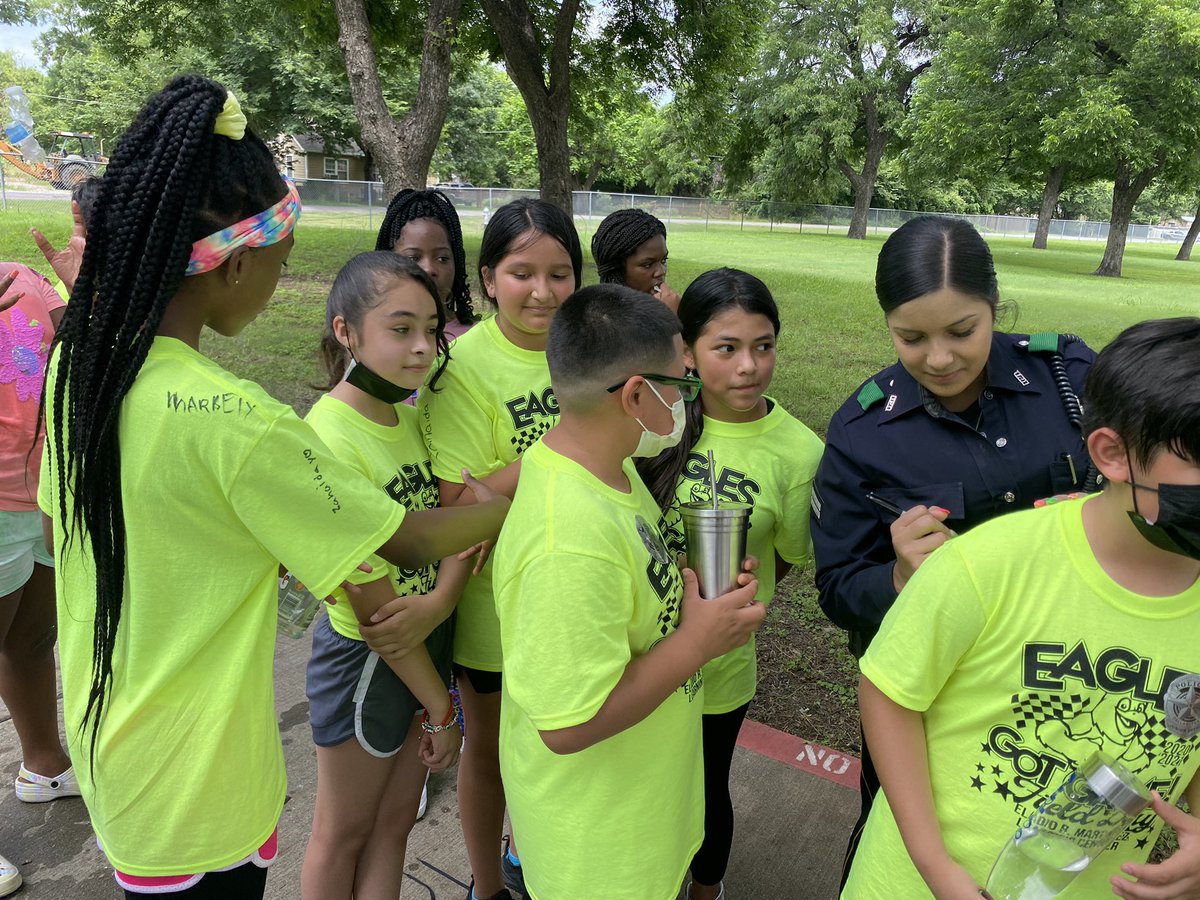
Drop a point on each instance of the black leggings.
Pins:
(246, 882)
(720, 737)
(868, 786)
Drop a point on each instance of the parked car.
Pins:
(459, 192)
(1173, 234)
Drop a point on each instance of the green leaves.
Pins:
(1032, 83)
(831, 93)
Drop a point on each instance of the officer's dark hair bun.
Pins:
(930, 253)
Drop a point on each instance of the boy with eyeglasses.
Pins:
(603, 636)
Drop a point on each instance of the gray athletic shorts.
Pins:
(353, 693)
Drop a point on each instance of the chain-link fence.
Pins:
(709, 214)
(361, 204)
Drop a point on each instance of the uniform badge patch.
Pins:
(653, 541)
(1020, 377)
(1181, 703)
(890, 404)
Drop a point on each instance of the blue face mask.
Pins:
(1177, 528)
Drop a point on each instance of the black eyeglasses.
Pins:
(689, 385)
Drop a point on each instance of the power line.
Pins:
(56, 97)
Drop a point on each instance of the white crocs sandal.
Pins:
(34, 788)
(10, 878)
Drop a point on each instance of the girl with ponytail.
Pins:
(384, 336)
(175, 491)
(763, 457)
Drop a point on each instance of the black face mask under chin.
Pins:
(374, 384)
(1177, 528)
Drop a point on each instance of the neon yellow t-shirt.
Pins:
(492, 403)
(1025, 658)
(220, 483)
(768, 463)
(584, 584)
(395, 460)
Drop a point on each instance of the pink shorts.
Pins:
(171, 884)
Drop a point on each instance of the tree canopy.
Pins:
(1061, 107)
(829, 98)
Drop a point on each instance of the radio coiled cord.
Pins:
(1074, 409)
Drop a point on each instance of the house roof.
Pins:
(314, 143)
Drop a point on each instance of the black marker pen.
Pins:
(885, 505)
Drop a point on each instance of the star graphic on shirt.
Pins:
(1141, 845)
(978, 767)
(985, 748)
(996, 771)
(977, 783)
(1002, 789)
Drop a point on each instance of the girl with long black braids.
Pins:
(423, 226)
(176, 489)
(630, 248)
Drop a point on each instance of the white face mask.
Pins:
(652, 443)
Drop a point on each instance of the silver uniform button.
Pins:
(1000, 442)
(987, 395)
(1010, 497)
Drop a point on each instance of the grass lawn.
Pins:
(833, 337)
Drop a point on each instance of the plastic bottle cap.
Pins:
(1114, 783)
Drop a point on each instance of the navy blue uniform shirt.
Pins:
(894, 438)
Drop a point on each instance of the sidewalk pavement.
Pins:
(795, 803)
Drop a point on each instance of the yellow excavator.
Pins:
(71, 157)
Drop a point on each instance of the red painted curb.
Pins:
(832, 765)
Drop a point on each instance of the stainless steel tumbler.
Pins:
(716, 544)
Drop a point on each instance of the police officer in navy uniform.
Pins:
(969, 424)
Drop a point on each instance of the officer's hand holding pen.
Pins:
(916, 533)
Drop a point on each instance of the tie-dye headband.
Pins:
(267, 227)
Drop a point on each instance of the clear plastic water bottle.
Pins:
(19, 131)
(297, 606)
(1069, 829)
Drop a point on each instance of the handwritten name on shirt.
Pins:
(228, 404)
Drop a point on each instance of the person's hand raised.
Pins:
(65, 262)
(9, 299)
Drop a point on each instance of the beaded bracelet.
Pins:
(446, 722)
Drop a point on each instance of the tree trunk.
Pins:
(548, 102)
(1050, 195)
(1185, 251)
(401, 148)
(554, 158)
(1127, 187)
(863, 183)
(593, 173)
